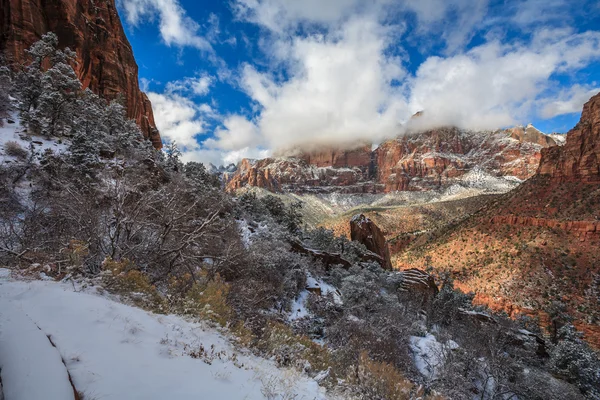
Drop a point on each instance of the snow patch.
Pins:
(429, 354)
(114, 351)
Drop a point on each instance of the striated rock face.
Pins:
(92, 28)
(422, 161)
(579, 158)
(358, 158)
(432, 159)
(298, 175)
(363, 230)
(417, 283)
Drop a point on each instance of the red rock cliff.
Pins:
(105, 61)
(579, 158)
(431, 159)
(357, 158)
(420, 161)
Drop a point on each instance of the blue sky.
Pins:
(249, 78)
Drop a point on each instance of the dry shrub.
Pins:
(290, 349)
(14, 149)
(76, 252)
(380, 380)
(208, 300)
(123, 278)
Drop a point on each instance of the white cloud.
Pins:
(175, 26)
(340, 89)
(220, 157)
(495, 85)
(237, 133)
(178, 119)
(532, 13)
(278, 15)
(198, 86)
(453, 21)
(333, 71)
(568, 101)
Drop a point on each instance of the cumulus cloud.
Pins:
(495, 85)
(178, 119)
(176, 28)
(237, 133)
(335, 72)
(568, 101)
(221, 157)
(341, 89)
(183, 121)
(197, 86)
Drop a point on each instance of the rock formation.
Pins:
(532, 135)
(364, 231)
(432, 159)
(579, 158)
(428, 160)
(105, 61)
(417, 281)
(355, 158)
(297, 175)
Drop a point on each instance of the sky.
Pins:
(250, 78)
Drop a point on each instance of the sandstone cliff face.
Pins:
(105, 61)
(356, 158)
(532, 135)
(432, 159)
(346, 172)
(579, 158)
(364, 231)
(424, 161)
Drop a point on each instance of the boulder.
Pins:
(363, 230)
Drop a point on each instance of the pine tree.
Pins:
(47, 96)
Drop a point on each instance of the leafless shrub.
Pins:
(14, 149)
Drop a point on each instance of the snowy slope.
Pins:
(14, 132)
(113, 351)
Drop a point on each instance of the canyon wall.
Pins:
(105, 61)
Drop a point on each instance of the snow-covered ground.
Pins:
(429, 354)
(299, 306)
(14, 132)
(114, 351)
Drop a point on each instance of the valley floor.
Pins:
(114, 351)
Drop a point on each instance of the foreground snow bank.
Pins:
(31, 368)
(114, 351)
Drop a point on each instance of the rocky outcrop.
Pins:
(356, 158)
(418, 285)
(105, 61)
(579, 159)
(532, 135)
(328, 259)
(364, 231)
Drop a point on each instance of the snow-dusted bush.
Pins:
(14, 149)
(576, 362)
